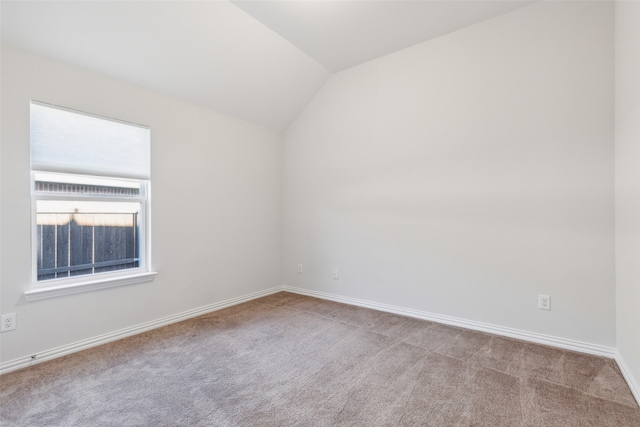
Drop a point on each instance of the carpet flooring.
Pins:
(292, 360)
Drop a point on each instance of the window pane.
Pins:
(86, 237)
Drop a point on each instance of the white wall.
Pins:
(466, 175)
(627, 161)
(216, 200)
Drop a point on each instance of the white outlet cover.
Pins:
(8, 322)
(544, 302)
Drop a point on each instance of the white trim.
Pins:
(633, 385)
(117, 278)
(549, 340)
(45, 355)
(89, 285)
(567, 344)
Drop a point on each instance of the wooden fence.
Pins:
(79, 247)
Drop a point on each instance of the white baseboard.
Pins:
(549, 340)
(626, 373)
(567, 344)
(24, 362)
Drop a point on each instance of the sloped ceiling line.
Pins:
(261, 61)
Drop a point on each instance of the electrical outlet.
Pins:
(8, 322)
(299, 268)
(336, 275)
(544, 302)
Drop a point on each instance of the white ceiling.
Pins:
(261, 61)
(341, 34)
(209, 53)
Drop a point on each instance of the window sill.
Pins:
(89, 285)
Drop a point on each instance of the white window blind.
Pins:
(64, 140)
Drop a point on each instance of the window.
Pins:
(90, 201)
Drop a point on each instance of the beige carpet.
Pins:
(291, 360)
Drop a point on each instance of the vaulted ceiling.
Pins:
(261, 61)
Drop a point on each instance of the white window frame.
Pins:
(40, 289)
